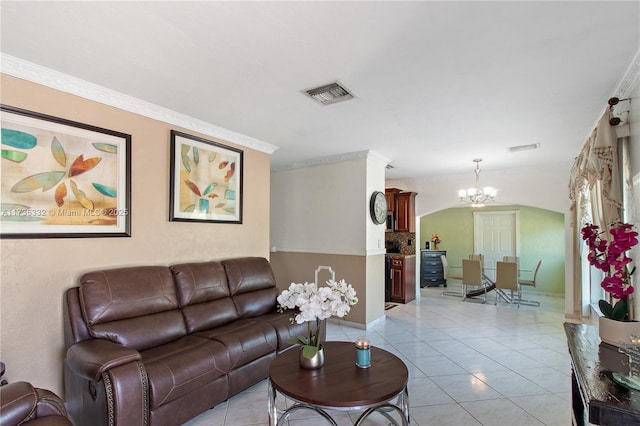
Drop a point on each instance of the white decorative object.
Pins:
(325, 268)
(617, 332)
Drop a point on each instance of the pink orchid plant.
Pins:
(610, 256)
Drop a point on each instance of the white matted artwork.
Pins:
(63, 179)
(206, 180)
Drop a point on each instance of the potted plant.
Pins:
(610, 256)
(315, 304)
(435, 239)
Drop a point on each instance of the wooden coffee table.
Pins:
(340, 384)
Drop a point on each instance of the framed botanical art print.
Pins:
(61, 178)
(206, 180)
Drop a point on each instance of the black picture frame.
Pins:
(63, 179)
(206, 180)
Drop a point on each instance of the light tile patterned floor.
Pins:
(469, 364)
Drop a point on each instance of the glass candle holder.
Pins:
(363, 353)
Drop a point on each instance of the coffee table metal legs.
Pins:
(271, 405)
(273, 409)
(401, 406)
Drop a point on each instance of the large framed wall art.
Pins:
(61, 178)
(206, 180)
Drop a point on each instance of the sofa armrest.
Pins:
(17, 402)
(90, 358)
(49, 404)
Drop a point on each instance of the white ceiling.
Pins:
(437, 84)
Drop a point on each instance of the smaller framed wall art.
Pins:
(61, 178)
(206, 180)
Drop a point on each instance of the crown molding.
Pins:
(629, 78)
(34, 73)
(331, 159)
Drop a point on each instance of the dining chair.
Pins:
(472, 276)
(479, 257)
(449, 276)
(530, 283)
(514, 259)
(507, 279)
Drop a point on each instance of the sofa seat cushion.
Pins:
(285, 330)
(182, 366)
(246, 340)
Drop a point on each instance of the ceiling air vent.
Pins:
(330, 93)
(524, 147)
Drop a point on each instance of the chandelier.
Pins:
(477, 196)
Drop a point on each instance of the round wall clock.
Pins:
(378, 207)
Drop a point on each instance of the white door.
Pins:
(495, 236)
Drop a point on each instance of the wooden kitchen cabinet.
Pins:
(403, 280)
(402, 206)
(390, 194)
(406, 212)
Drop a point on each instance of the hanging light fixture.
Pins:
(477, 196)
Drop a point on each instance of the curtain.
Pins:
(595, 193)
(596, 169)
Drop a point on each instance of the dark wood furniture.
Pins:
(431, 270)
(403, 207)
(391, 194)
(403, 278)
(406, 212)
(339, 384)
(596, 398)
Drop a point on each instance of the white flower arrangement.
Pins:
(315, 304)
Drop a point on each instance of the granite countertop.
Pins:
(400, 255)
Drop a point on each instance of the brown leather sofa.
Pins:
(22, 404)
(158, 345)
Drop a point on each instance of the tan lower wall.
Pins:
(375, 287)
(35, 272)
(362, 272)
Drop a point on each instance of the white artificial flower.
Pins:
(318, 303)
(313, 302)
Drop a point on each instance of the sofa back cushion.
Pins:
(136, 307)
(203, 295)
(252, 285)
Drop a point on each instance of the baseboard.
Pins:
(361, 326)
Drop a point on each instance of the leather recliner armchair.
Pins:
(22, 404)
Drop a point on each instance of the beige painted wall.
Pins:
(35, 272)
(362, 272)
(320, 216)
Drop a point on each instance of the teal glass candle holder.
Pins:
(363, 353)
